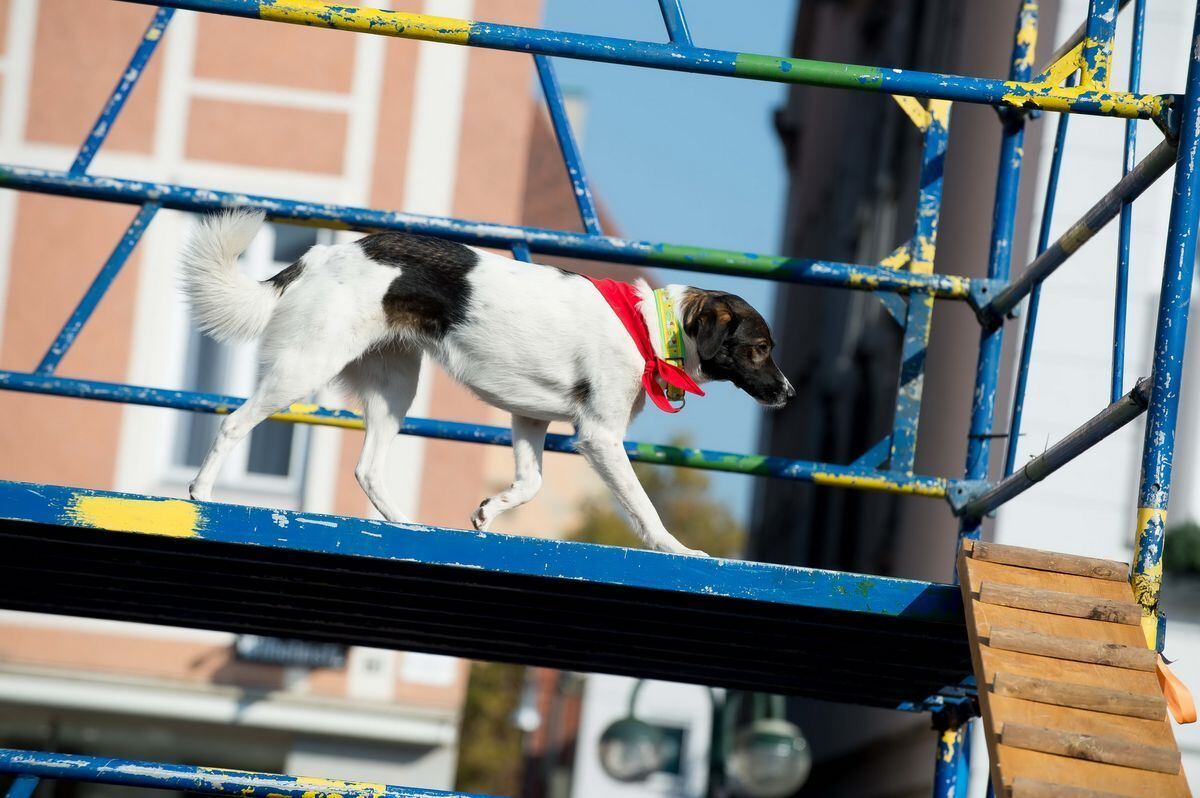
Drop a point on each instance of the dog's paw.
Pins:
(673, 546)
(199, 494)
(480, 519)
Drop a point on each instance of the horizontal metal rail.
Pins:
(548, 242)
(1129, 188)
(686, 457)
(676, 57)
(1099, 427)
(188, 778)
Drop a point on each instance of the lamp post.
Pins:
(766, 758)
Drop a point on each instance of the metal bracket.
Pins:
(980, 296)
(961, 492)
(1168, 120)
(954, 712)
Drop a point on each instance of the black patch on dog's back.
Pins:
(432, 293)
(286, 277)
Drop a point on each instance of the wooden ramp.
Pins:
(1071, 703)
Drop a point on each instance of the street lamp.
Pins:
(768, 757)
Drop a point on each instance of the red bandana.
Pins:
(623, 298)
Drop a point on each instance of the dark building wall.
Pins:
(854, 162)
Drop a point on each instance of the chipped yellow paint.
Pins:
(169, 517)
(912, 106)
(1061, 69)
(1048, 97)
(949, 741)
(305, 414)
(1150, 630)
(367, 20)
(1087, 76)
(959, 286)
(1027, 35)
(876, 483)
(336, 788)
(939, 111)
(1076, 237)
(926, 250)
(1147, 585)
(897, 260)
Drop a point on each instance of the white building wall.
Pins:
(1089, 506)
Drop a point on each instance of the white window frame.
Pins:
(240, 379)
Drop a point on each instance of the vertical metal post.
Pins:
(1035, 295)
(567, 145)
(987, 369)
(23, 786)
(1004, 214)
(120, 93)
(951, 754)
(1126, 231)
(1096, 58)
(1169, 340)
(677, 29)
(920, 305)
(520, 251)
(104, 279)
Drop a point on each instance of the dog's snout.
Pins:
(791, 392)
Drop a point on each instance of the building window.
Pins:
(272, 459)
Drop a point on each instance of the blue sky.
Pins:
(688, 159)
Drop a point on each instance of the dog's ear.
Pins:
(713, 326)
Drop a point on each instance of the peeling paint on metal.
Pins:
(169, 517)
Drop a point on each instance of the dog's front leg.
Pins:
(528, 440)
(605, 452)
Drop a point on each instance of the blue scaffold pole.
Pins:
(1126, 225)
(1169, 340)
(953, 771)
(96, 291)
(1035, 295)
(120, 93)
(568, 146)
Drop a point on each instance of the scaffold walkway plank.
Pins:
(1068, 709)
(490, 596)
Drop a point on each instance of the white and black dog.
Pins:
(536, 341)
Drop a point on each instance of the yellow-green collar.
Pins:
(672, 336)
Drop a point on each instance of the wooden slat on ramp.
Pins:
(1073, 687)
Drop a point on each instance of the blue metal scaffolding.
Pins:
(741, 625)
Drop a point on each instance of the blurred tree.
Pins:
(489, 753)
(490, 750)
(682, 498)
(1181, 554)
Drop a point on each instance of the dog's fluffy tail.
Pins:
(226, 304)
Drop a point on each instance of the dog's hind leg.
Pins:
(529, 436)
(387, 382)
(291, 375)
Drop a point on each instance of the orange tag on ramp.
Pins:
(1179, 697)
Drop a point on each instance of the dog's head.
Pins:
(734, 344)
